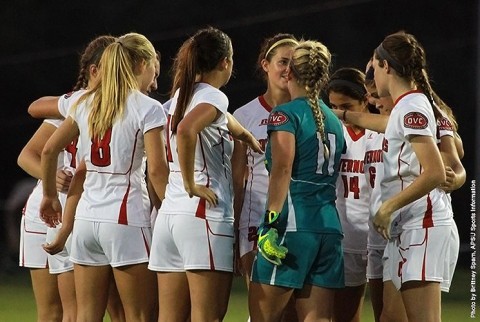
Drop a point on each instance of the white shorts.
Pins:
(60, 262)
(32, 237)
(183, 242)
(247, 239)
(375, 263)
(418, 255)
(355, 269)
(451, 258)
(99, 243)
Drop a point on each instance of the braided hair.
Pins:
(310, 64)
(407, 57)
(91, 56)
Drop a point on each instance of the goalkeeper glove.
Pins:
(268, 239)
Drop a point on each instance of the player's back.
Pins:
(114, 185)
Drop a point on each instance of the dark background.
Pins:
(40, 43)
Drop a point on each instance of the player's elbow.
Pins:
(21, 159)
(33, 110)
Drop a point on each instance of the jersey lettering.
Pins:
(72, 149)
(353, 166)
(277, 118)
(100, 150)
(373, 156)
(351, 186)
(415, 120)
(321, 154)
(444, 124)
(385, 145)
(372, 171)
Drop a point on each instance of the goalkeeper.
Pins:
(299, 241)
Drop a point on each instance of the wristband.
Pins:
(271, 217)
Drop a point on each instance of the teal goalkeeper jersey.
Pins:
(310, 204)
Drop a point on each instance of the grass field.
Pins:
(17, 303)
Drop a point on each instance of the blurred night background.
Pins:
(41, 42)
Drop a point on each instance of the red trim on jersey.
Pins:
(355, 136)
(428, 217)
(405, 94)
(123, 216)
(264, 103)
(202, 203)
(210, 254)
(169, 150)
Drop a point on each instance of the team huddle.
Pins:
(146, 210)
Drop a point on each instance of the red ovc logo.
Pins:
(415, 120)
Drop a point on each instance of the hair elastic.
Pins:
(280, 42)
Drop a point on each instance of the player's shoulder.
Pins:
(413, 101)
(206, 93)
(143, 98)
(247, 108)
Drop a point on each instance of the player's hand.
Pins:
(382, 220)
(203, 193)
(58, 244)
(51, 211)
(338, 113)
(63, 180)
(268, 244)
(450, 181)
(254, 144)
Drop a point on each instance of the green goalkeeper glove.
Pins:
(268, 239)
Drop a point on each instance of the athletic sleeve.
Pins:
(154, 117)
(444, 127)
(66, 101)
(281, 119)
(54, 122)
(417, 118)
(213, 97)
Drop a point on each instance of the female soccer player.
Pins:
(303, 154)
(346, 92)
(192, 248)
(29, 159)
(250, 185)
(413, 215)
(115, 123)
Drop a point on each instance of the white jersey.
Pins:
(352, 193)
(66, 101)
(114, 188)
(373, 164)
(212, 166)
(254, 117)
(445, 128)
(412, 115)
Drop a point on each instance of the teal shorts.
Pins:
(312, 258)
